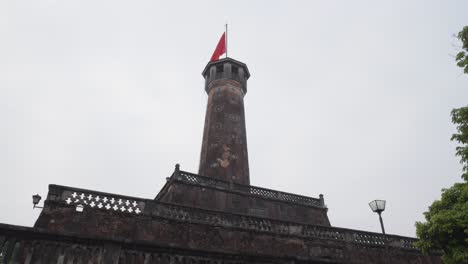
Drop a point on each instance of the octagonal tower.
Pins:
(224, 147)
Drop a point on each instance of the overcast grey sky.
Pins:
(347, 98)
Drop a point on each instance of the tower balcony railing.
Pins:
(248, 189)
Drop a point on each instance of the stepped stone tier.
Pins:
(213, 217)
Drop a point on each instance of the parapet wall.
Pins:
(170, 225)
(188, 189)
(27, 245)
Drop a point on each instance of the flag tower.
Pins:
(224, 146)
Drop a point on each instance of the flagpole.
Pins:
(226, 40)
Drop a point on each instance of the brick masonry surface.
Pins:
(201, 230)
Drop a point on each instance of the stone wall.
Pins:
(224, 146)
(30, 246)
(189, 189)
(195, 229)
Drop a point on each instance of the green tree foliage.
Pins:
(460, 118)
(462, 56)
(446, 226)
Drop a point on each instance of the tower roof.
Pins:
(233, 61)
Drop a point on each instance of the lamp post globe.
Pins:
(36, 198)
(378, 206)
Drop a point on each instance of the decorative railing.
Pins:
(201, 180)
(192, 215)
(100, 200)
(248, 189)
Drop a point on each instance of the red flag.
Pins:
(220, 48)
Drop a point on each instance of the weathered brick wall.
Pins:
(202, 230)
(224, 147)
(235, 202)
(30, 246)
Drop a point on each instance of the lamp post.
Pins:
(36, 198)
(378, 206)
